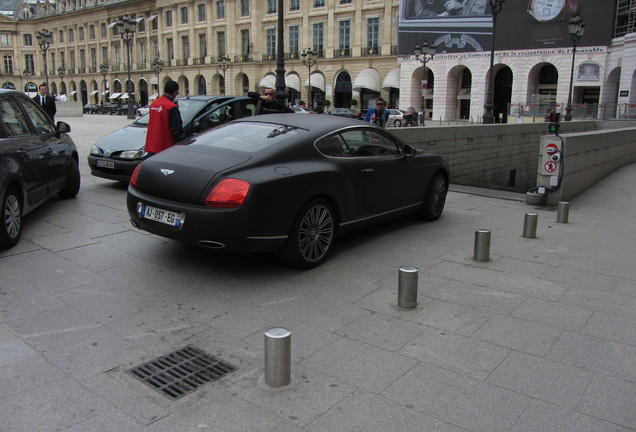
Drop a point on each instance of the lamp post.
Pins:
(103, 69)
(281, 94)
(61, 71)
(45, 39)
(309, 60)
(157, 66)
(575, 28)
(224, 64)
(424, 54)
(126, 28)
(26, 73)
(489, 116)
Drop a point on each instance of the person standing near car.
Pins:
(165, 126)
(46, 101)
(378, 115)
(267, 103)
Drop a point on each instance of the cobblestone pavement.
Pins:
(542, 337)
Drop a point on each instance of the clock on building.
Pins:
(550, 10)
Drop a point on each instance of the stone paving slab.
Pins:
(538, 338)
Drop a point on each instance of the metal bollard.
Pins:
(277, 357)
(482, 245)
(530, 225)
(563, 211)
(407, 287)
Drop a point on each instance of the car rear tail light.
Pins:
(133, 177)
(228, 193)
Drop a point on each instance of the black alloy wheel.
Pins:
(11, 219)
(435, 198)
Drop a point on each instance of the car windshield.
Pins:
(188, 108)
(247, 137)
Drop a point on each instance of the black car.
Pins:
(38, 160)
(345, 112)
(91, 109)
(123, 109)
(108, 108)
(284, 183)
(116, 155)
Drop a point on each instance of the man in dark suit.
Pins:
(46, 101)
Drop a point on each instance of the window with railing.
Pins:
(294, 42)
(185, 47)
(344, 38)
(29, 63)
(170, 48)
(318, 38)
(245, 42)
(373, 35)
(203, 45)
(220, 44)
(8, 64)
(104, 54)
(270, 43)
(93, 57)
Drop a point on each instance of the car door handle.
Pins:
(367, 170)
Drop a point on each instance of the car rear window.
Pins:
(247, 136)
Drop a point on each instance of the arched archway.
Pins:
(201, 85)
(502, 93)
(343, 90)
(610, 94)
(141, 97)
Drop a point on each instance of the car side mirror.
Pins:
(62, 127)
(409, 150)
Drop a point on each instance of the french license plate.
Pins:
(105, 164)
(164, 216)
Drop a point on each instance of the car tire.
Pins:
(72, 180)
(311, 236)
(397, 123)
(434, 199)
(11, 219)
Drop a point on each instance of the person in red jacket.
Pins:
(165, 126)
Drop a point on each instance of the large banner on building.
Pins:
(466, 25)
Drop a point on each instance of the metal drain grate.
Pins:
(181, 372)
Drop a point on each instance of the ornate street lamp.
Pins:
(157, 66)
(309, 59)
(424, 54)
(45, 39)
(576, 27)
(103, 69)
(281, 94)
(61, 72)
(489, 116)
(126, 28)
(224, 64)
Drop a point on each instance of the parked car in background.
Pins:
(109, 108)
(116, 155)
(284, 184)
(345, 112)
(38, 160)
(91, 109)
(123, 109)
(301, 110)
(396, 117)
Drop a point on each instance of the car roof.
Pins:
(9, 91)
(207, 98)
(319, 124)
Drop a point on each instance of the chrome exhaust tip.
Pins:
(210, 244)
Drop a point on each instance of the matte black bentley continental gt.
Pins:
(284, 183)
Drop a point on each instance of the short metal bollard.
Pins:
(530, 225)
(407, 287)
(563, 211)
(277, 357)
(482, 245)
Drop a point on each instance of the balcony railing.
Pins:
(342, 52)
(269, 57)
(81, 70)
(292, 56)
(92, 69)
(370, 51)
(199, 60)
(182, 62)
(243, 58)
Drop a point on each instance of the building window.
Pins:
(318, 39)
(170, 47)
(294, 5)
(142, 53)
(154, 25)
(52, 63)
(373, 33)
(91, 32)
(345, 1)
(60, 36)
(72, 59)
(5, 40)
(29, 63)
(80, 33)
(184, 15)
(93, 58)
(105, 54)
(8, 64)
(185, 47)
(141, 26)
(102, 30)
(344, 35)
(28, 39)
(319, 3)
(168, 18)
(270, 41)
(220, 9)
(293, 41)
(201, 12)
(82, 60)
(271, 6)
(245, 7)
(203, 45)
(220, 44)
(71, 35)
(116, 56)
(245, 42)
